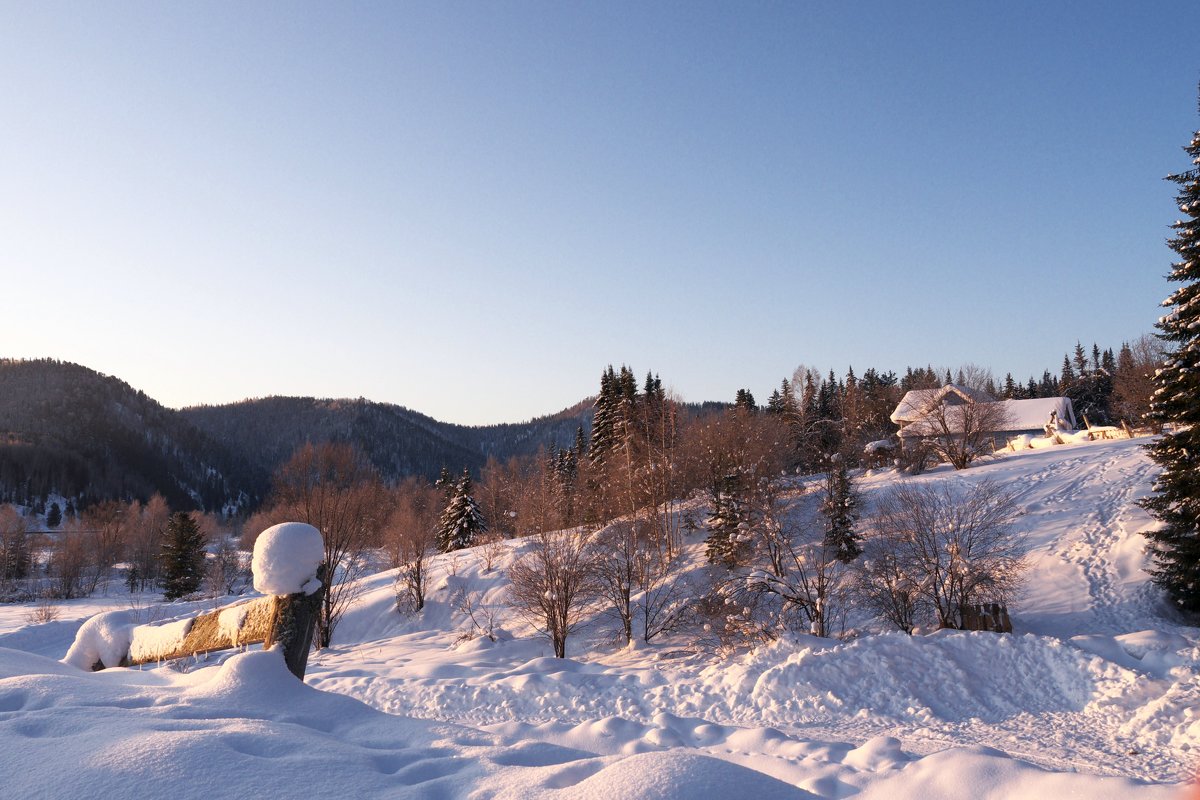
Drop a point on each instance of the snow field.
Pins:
(1095, 695)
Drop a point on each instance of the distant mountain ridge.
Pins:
(68, 429)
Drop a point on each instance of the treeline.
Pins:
(135, 544)
(68, 431)
(608, 518)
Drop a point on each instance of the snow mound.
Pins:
(286, 558)
(982, 773)
(102, 639)
(963, 675)
(681, 776)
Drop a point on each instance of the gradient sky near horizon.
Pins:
(471, 208)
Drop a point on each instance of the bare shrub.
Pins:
(226, 571)
(44, 611)
(633, 566)
(490, 550)
(409, 536)
(483, 618)
(956, 546)
(887, 590)
(800, 580)
(554, 584)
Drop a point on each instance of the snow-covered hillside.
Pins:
(1093, 696)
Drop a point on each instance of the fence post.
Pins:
(292, 624)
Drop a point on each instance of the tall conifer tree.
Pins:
(1176, 503)
(182, 556)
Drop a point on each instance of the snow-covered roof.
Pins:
(918, 402)
(1027, 415)
(1018, 415)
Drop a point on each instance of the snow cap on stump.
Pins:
(286, 558)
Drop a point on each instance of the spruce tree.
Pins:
(840, 509)
(1068, 374)
(54, 516)
(726, 521)
(446, 484)
(182, 556)
(604, 418)
(462, 521)
(1176, 503)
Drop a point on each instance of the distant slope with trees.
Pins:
(72, 431)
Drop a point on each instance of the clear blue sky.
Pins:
(471, 208)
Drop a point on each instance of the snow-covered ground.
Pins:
(1094, 696)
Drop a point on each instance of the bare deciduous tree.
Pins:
(69, 560)
(146, 525)
(333, 488)
(14, 546)
(410, 536)
(1133, 383)
(960, 429)
(108, 527)
(634, 568)
(617, 554)
(957, 546)
(554, 584)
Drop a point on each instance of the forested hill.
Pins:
(397, 440)
(69, 430)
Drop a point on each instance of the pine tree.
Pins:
(1176, 502)
(462, 522)
(725, 524)
(54, 516)
(744, 400)
(182, 556)
(840, 509)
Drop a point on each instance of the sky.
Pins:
(470, 209)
